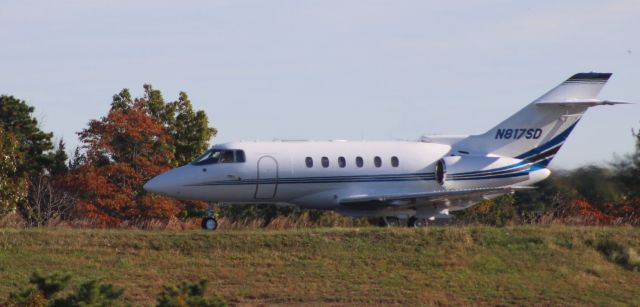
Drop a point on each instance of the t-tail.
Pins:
(536, 133)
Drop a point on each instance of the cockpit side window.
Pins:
(214, 156)
(226, 156)
(240, 156)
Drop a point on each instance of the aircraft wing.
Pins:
(403, 199)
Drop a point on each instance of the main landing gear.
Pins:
(392, 221)
(210, 222)
(417, 222)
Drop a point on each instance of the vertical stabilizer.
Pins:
(536, 132)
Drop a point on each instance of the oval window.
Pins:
(325, 162)
(309, 161)
(394, 161)
(377, 161)
(359, 162)
(342, 162)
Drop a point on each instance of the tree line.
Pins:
(102, 182)
(140, 137)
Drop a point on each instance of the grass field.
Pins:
(540, 265)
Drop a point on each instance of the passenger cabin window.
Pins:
(325, 162)
(394, 161)
(359, 162)
(342, 162)
(215, 156)
(377, 161)
(309, 162)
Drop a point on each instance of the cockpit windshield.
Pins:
(215, 156)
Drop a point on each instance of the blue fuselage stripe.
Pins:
(379, 178)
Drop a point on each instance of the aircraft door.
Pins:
(267, 185)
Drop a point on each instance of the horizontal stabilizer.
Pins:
(585, 102)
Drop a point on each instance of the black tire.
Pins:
(209, 223)
(417, 222)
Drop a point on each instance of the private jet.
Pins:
(416, 182)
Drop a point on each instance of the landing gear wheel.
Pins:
(417, 222)
(390, 221)
(209, 223)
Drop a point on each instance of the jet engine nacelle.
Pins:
(463, 172)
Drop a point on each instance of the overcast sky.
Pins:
(327, 69)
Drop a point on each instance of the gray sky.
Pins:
(327, 69)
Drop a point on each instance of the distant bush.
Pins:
(499, 211)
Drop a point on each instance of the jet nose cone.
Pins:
(152, 185)
(161, 184)
(170, 183)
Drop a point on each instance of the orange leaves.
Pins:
(581, 212)
(122, 151)
(584, 209)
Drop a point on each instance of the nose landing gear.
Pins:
(210, 222)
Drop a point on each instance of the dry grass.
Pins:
(531, 265)
(298, 221)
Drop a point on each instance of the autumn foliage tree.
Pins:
(138, 139)
(121, 152)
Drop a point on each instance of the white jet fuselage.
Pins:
(315, 174)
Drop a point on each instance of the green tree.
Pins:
(59, 160)
(42, 290)
(92, 293)
(158, 108)
(51, 284)
(191, 132)
(627, 170)
(16, 117)
(45, 290)
(13, 185)
(122, 101)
